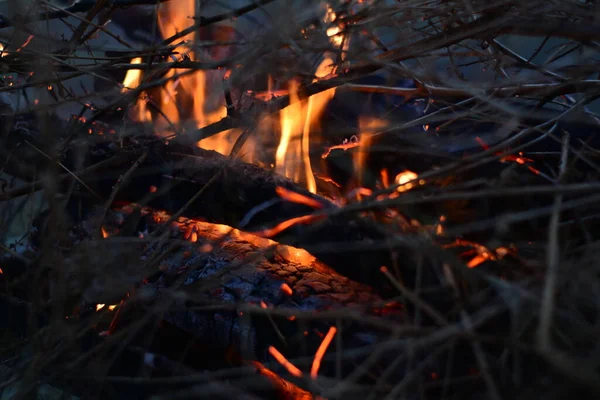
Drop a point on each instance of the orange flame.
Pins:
(296, 120)
(187, 101)
(367, 127)
(133, 78)
(184, 91)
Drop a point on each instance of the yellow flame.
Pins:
(184, 91)
(367, 127)
(133, 78)
(187, 98)
(293, 154)
(286, 161)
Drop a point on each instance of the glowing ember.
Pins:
(519, 159)
(291, 368)
(404, 180)
(216, 233)
(288, 389)
(285, 288)
(314, 371)
(104, 232)
(282, 226)
(29, 38)
(298, 198)
(482, 253)
(346, 145)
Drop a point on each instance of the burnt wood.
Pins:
(226, 191)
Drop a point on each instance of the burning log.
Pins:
(231, 289)
(206, 185)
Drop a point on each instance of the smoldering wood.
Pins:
(227, 291)
(172, 174)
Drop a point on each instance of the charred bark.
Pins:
(216, 189)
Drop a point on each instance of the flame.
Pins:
(286, 161)
(367, 127)
(183, 101)
(99, 307)
(133, 78)
(296, 119)
(293, 154)
(186, 101)
(104, 232)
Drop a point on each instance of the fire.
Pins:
(100, 306)
(480, 252)
(133, 78)
(286, 289)
(183, 101)
(291, 368)
(297, 119)
(405, 180)
(298, 198)
(314, 370)
(293, 155)
(519, 159)
(367, 127)
(191, 100)
(286, 388)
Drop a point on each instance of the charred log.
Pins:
(206, 185)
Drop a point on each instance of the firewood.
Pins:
(230, 288)
(244, 196)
